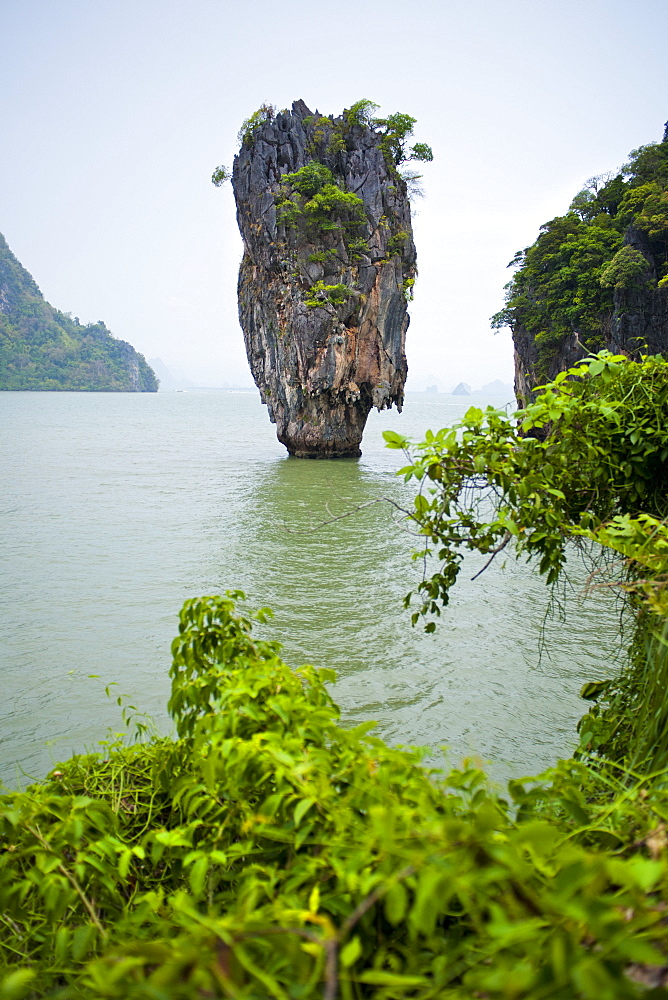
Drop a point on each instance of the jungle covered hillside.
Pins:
(596, 277)
(42, 348)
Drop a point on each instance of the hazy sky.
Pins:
(115, 112)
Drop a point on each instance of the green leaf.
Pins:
(16, 985)
(421, 504)
(82, 941)
(124, 860)
(350, 952)
(377, 977)
(302, 808)
(197, 875)
(396, 903)
(646, 872)
(394, 440)
(593, 690)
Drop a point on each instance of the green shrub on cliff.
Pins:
(251, 125)
(628, 269)
(310, 197)
(320, 294)
(615, 234)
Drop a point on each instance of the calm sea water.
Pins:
(117, 507)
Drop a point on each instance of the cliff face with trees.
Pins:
(596, 277)
(42, 348)
(328, 267)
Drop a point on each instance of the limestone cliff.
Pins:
(328, 267)
(43, 349)
(596, 277)
(636, 324)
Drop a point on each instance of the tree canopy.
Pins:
(614, 235)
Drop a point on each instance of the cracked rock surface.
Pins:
(323, 290)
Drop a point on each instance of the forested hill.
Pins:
(42, 348)
(596, 277)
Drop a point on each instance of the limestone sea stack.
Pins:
(328, 267)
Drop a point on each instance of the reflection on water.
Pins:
(118, 507)
(337, 584)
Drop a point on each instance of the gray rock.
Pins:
(320, 368)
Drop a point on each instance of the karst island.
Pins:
(328, 268)
(43, 349)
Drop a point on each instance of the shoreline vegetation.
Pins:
(45, 350)
(266, 851)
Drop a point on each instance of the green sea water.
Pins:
(117, 507)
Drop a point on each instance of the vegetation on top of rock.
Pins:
(312, 199)
(251, 125)
(310, 195)
(42, 348)
(611, 246)
(395, 130)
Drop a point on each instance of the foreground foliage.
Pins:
(265, 851)
(268, 852)
(587, 459)
(585, 465)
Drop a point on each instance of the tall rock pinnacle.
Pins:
(327, 270)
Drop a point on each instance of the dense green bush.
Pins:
(268, 852)
(310, 199)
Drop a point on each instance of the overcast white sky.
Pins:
(115, 112)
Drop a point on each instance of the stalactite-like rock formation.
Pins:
(328, 267)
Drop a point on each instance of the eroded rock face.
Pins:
(325, 278)
(640, 318)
